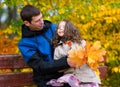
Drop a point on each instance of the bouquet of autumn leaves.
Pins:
(91, 54)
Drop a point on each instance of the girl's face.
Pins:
(61, 28)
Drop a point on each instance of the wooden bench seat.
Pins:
(16, 78)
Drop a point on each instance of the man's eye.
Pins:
(37, 21)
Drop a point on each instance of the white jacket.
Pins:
(83, 73)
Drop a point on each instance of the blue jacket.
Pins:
(33, 41)
(37, 51)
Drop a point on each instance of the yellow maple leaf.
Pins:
(91, 55)
(95, 54)
(77, 56)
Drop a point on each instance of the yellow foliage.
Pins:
(26, 70)
(5, 71)
(25, 2)
(82, 17)
(116, 69)
(91, 55)
(61, 11)
(7, 45)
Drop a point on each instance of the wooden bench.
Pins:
(14, 79)
(18, 79)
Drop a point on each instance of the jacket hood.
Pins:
(26, 32)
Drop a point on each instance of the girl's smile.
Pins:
(61, 28)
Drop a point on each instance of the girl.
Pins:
(66, 38)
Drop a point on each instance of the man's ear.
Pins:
(27, 23)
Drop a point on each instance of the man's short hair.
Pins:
(28, 12)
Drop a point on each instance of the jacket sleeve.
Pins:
(44, 67)
(35, 59)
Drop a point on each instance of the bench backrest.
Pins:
(17, 79)
(14, 78)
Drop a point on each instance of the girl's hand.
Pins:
(70, 63)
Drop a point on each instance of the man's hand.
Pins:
(70, 63)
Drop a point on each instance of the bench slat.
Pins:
(12, 61)
(16, 79)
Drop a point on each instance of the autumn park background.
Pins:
(96, 20)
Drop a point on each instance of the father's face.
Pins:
(37, 23)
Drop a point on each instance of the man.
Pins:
(35, 46)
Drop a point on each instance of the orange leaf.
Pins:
(77, 56)
(91, 55)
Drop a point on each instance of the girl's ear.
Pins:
(27, 23)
